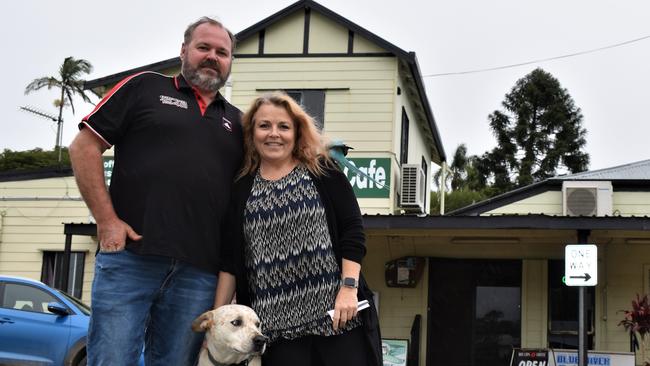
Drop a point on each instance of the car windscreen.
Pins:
(80, 305)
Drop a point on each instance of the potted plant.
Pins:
(637, 322)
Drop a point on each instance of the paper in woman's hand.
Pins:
(360, 306)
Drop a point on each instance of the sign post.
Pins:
(581, 269)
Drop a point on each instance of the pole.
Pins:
(59, 130)
(59, 137)
(582, 349)
(582, 329)
(442, 189)
(66, 262)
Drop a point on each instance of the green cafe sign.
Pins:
(108, 169)
(372, 178)
(369, 177)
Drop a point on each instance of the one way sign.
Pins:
(581, 265)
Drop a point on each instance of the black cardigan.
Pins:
(345, 227)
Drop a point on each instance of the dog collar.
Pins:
(213, 361)
(217, 363)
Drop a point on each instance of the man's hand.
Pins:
(113, 233)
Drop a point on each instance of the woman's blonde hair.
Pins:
(309, 147)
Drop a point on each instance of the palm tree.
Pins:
(457, 172)
(70, 82)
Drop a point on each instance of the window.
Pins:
(25, 297)
(563, 310)
(404, 141)
(312, 101)
(474, 315)
(52, 271)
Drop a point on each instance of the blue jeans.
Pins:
(146, 300)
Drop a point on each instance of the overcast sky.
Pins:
(610, 86)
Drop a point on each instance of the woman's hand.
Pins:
(345, 306)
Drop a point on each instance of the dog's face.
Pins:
(232, 333)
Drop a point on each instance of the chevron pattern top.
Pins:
(293, 272)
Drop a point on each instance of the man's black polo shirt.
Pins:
(173, 166)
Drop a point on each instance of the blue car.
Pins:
(40, 325)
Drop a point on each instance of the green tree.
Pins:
(455, 200)
(462, 173)
(539, 134)
(69, 82)
(32, 159)
(463, 183)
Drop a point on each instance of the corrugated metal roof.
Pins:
(632, 171)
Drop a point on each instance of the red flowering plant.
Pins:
(637, 322)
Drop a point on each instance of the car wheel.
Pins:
(82, 362)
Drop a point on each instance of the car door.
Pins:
(28, 331)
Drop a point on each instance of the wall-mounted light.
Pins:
(642, 241)
(485, 240)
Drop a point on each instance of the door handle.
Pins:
(6, 320)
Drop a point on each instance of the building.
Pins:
(463, 288)
(361, 89)
(34, 206)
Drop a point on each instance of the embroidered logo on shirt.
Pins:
(226, 124)
(173, 101)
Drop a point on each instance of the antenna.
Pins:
(39, 113)
(59, 121)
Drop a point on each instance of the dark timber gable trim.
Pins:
(305, 37)
(312, 55)
(260, 49)
(350, 42)
(308, 6)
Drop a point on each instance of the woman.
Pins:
(296, 243)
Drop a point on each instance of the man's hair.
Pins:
(187, 37)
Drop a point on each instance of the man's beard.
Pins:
(202, 81)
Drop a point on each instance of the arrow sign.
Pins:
(586, 277)
(581, 265)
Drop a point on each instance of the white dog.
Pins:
(232, 335)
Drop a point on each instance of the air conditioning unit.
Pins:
(587, 198)
(412, 191)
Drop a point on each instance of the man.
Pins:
(178, 145)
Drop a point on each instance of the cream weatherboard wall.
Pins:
(549, 203)
(625, 203)
(418, 148)
(32, 213)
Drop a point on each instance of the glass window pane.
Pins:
(27, 298)
(563, 310)
(52, 271)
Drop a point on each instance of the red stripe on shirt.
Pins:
(114, 90)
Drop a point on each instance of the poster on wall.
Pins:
(394, 351)
(529, 357)
(564, 357)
